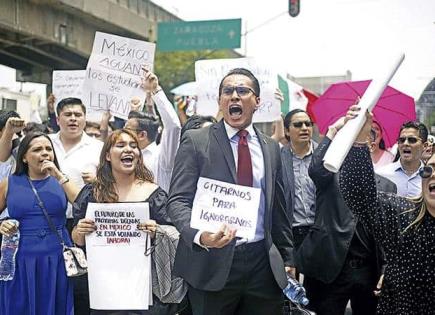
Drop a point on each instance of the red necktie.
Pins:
(244, 163)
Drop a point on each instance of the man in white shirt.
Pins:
(158, 158)
(404, 173)
(77, 153)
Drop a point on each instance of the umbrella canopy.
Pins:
(392, 109)
(186, 89)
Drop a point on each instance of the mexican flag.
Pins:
(295, 96)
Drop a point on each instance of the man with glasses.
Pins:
(300, 191)
(404, 172)
(229, 275)
(158, 158)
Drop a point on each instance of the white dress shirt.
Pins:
(257, 174)
(84, 156)
(159, 159)
(407, 186)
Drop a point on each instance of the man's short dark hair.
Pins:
(290, 114)
(245, 72)
(146, 122)
(422, 130)
(196, 122)
(5, 115)
(33, 126)
(69, 101)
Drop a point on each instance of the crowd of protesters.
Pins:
(365, 235)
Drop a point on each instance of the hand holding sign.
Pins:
(51, 99)
(149, 226)
(84, 227)
(150, 82)
(219, 239)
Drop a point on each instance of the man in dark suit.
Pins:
(229, 275)
(299, 189)
(339, 257)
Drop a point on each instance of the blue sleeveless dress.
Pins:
(40, 285)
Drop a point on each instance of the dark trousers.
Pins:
(81, 295)
(251, 288)
(355, 282)
(299, 234)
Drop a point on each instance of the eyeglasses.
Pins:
(242, 91)
(411, 140)
(426, 171)
(299, 124)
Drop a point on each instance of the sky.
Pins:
(328, 37)
(331, 37)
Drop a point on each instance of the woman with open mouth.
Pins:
(404, 227)
(121, 177)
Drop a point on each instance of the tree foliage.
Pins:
(175, 68)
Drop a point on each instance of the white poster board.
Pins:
(217, 203)
(113, 74)
(119, 273)
(69, 83)
(343, 140)
(209, 73)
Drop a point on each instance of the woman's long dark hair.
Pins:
(23, 168)
(104, 187)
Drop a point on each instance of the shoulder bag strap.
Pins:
(41, 205)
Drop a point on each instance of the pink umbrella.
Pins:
(392, 110)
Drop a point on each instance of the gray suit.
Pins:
(207, 153)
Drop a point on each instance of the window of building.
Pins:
(8, 104)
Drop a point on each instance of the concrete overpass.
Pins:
(38, 36)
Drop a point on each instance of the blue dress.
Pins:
(40, 285)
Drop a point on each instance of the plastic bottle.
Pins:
(295, 292)
(8, 252)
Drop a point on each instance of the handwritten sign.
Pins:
(218, 203)
(209, 73)
(118, 271)
(114, 70)
(69, 83)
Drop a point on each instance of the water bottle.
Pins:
(9, 250)
(295, 292)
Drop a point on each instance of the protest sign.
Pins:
(113, 74)
(209, 73)
(69, 83)
(118, 271)
(218, 203)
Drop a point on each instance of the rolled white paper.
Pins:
(346, 136)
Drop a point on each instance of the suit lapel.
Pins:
(224, 143)
(267, 167)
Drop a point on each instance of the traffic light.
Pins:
(294, 7)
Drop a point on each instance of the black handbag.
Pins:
(74, 257)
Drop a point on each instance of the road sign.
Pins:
(199, 35)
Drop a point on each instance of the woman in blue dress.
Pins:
(40, 285)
